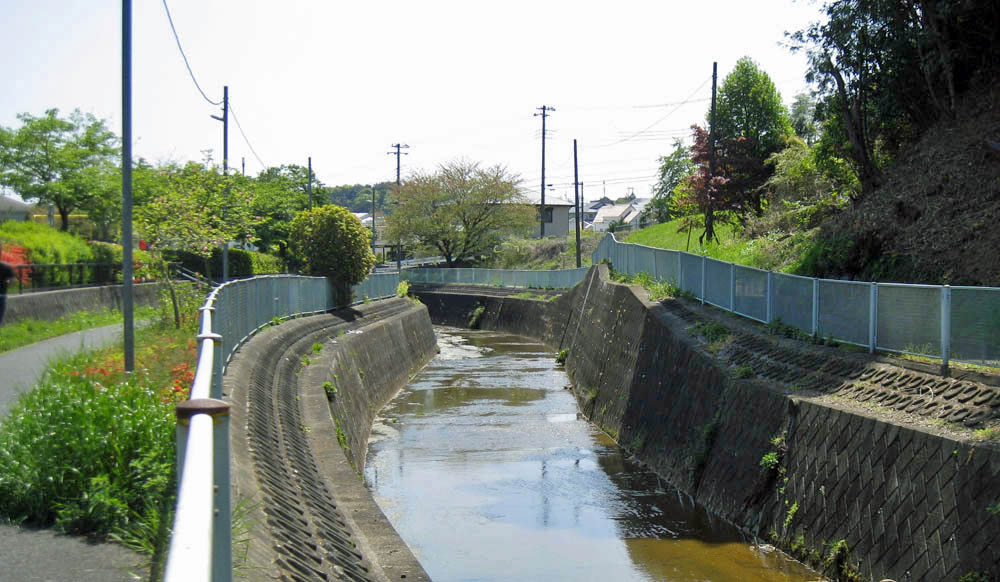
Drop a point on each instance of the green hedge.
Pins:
(241, 263)
(44, 244)
(110, 253)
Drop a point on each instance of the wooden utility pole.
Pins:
(399, 182)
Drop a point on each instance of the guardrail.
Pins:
(937, 321)
(562, 279)
(201, 544)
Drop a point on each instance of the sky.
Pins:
(341, 82)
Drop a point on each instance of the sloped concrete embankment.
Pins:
(844, 488)
(304, 395)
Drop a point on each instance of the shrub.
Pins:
(331, 242)
(45, 245)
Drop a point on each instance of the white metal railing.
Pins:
(201, 542)
(938, 321)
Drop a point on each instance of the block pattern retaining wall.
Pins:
(910, 505)
(314, 518)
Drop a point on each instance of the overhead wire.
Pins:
(183, 56)
(245, 139)
(658, 121)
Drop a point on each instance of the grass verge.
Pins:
(91, 450)
(28, 331)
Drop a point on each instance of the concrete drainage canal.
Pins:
(484, 467)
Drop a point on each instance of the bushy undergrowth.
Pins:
(45, 245)
(545, 254)
(91, 450)
(27, 331)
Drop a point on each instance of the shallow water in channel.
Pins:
(489, 474)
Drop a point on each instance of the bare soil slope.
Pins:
(935, 218)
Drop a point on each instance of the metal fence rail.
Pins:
(201, 544)
(938, 321)
(563, 279)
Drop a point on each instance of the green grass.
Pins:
(773, 252)
(28, 331)
(90, 450)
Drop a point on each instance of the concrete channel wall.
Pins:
(52, 305)
(304, 395)
(846, 491)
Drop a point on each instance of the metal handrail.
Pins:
(201, 543)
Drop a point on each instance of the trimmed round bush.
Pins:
(331, 242)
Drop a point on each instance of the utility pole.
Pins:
(374, 233)
(398, 153)
(576, 200)
(709, 211)
(128, 333)
(225, 168)
(243, 162)
(544, 114)
(309, 183)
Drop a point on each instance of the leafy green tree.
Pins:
(674, 169)
(752, 124)
(887, 69)
(196, 209)
(462, 210)
(48, 158)
(803, 118)
(331, 242)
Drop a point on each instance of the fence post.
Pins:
(732, 287)
(767, 299)
(872, 317)
(703, 279)
(945, 328)
(680, 278)
(815, 308)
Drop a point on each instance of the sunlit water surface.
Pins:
(489, 474)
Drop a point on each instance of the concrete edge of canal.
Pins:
(777, 438)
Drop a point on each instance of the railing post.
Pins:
(703, 279)
(767, 298)
(732, 287)
(815, 308)
(945, 328)
(872, 317)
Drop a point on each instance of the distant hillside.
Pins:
(935, 218)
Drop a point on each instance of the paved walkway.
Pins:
(29, 555)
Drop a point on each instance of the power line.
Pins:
(247, 141)
(183, 56)
(658, 121)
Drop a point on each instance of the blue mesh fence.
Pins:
(563, 279)
(953, 323)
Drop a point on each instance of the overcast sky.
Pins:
(342, 81)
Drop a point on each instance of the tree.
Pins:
(803, 118)
(887, 69)
(751, 122)
(48, 157)
(460, 211)
(331, 242)
(193, 208)
(703, 188)
(674, 169)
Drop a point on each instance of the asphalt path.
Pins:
(39, 555)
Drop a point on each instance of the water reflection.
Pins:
(487, 472)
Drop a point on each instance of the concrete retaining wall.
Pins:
(905, 504)
(52, 305)
(314, 517)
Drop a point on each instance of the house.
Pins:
(556, 213)
(11, 209)
(608, 215)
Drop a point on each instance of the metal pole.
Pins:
(945, 329)
(374, 235)
(576, 200)
(225, 171)
(127, 289)
(309, 183)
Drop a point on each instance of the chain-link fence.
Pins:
(938, 321)
(563, 279)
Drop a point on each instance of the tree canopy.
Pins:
(460, 211)
(51, 159)
(331, 242)
(674, 169)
